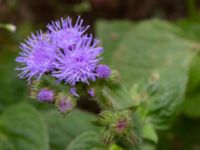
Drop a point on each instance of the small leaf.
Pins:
(89, 140)
(115, 147)
(149, 132)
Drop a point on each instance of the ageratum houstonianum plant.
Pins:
(63, 64)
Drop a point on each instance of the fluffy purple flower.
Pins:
(37, 56)
(103, 71)
(46, 95)
(65, 105)
(64, 35)
(79, 64)
(91, 92)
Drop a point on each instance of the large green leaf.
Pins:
(63, 129)
(21, 128)
(153, 51)
(89, 140)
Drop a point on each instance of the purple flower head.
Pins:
(91, 92)
(37, 56)
(46, 95)
(64, 35)
(65, 104)
(79, 64)
(103, 71)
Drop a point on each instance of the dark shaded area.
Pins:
(40, 12)
(89, 105)
(184, 135)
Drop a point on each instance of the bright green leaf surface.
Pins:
(149, 133)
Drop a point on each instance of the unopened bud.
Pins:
(103, 71)
(65, 104)
(119, 125)
(46, 95)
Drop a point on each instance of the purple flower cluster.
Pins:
(65, 52)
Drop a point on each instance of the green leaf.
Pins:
(148, 48)
(148, 146)
(89, 140)
(118, 96)
(21, 128)
(190, 28)
(192, 102)
(151, 52)
(154, 52)
(115, 147)
(149, 132)
(63, 129)
(111, 35)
